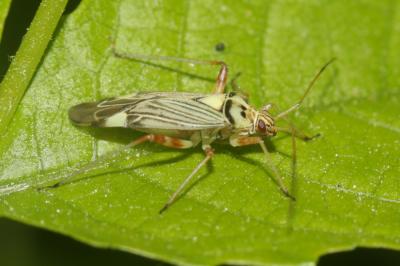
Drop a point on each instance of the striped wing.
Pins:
(157, 110)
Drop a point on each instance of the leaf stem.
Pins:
(4, 8)
(27, 58)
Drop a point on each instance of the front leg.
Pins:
(297, 133)
(238, 141)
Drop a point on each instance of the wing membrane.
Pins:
(158, 110)
(178, 113)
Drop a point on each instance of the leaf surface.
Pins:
(346, 182)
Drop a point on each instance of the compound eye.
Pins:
(261, 126)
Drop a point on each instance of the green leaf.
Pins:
(346, 182)
(4, 6)
(28, 57)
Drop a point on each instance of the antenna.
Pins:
(298, 104)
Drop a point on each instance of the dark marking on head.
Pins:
(228, 105)
(243, 114)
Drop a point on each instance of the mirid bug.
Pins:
(184, 120)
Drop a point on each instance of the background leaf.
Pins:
(347, 181)
(4, 6)
(27, 58)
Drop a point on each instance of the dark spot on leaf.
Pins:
(220, 47)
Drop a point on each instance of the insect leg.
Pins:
(294, 156)
(297, 133)
(221, 78)
(291, 209)
(233, 82)
(90, 165)
(160, 139)
(282, 187)
(209, 154)
(222, 74)
(171, 142)
(238, 141)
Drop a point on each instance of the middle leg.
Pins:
(209, 152)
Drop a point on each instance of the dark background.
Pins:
(22, 245)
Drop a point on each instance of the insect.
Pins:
(183, 120)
